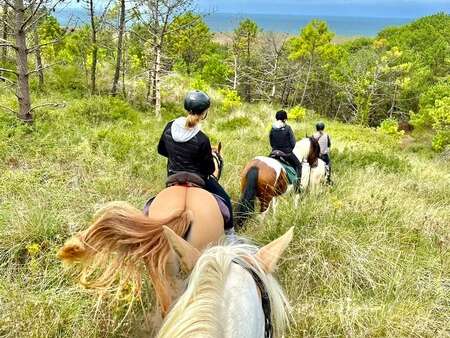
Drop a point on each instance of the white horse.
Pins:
(230, 293)
(312, 177)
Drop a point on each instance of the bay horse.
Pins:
(123, 237)
(230, 291)
(264, 178)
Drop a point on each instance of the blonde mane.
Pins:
(197, 312)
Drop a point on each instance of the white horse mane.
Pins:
(197, 312)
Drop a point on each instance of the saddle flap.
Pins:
(185, 178)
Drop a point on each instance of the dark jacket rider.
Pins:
(189, 149)
(282, 138)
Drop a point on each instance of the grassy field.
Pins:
(370, 256)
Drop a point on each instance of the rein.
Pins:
(265, 300)
(219, 162)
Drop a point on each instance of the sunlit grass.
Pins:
(370, 255)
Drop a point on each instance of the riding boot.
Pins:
(298, 184)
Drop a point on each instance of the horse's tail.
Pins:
(247, 203)
(120, 239)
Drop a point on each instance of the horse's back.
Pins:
(207, 221)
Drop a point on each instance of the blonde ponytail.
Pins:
(192, 120)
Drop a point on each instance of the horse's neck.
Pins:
(242, 311)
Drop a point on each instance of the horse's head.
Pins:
(235, 274)
(314, 151)
(218, 160)
(307, 149)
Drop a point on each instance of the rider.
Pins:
(189, 149)
(325, 143)
(282, 138)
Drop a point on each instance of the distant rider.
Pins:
(282, 138)
(325, 143)
(189, 149)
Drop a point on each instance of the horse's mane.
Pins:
(314, 151)
(196, 312)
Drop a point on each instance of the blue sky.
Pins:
(380, 8)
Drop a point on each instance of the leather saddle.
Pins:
(279, 156)
(185, 179)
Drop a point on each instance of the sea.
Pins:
(346, 26)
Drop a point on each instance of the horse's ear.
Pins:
(187, 254)
(270, 254)
(219, 147)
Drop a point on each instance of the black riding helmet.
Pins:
(196, 102)
(281, 115)
(320, 126)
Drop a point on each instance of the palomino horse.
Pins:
(265, 178)
(122, 237)
(230, 293)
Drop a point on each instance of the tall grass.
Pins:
(370, 255)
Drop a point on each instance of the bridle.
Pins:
(265, 299)
(218, 160)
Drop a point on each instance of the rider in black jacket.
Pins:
(282, 138)
(189, 149)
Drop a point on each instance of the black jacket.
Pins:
(194, 156)
(282, 139)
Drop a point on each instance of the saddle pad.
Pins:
(290, 173)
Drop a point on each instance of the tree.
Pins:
(189, 39)
(119, 47)
(26, 16)
(314, 42)
(243, 39)
(96, 24)
(157, 16)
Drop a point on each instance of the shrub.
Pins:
(297, 113)
(440, 116)
(390, 127)
(235, 123)
(231, 100)
(199, 84)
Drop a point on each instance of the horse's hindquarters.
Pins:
(207, 221)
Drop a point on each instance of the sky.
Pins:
(369, 8)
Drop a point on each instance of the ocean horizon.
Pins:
(346, 26)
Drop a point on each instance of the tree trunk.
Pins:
(307, 80)
(4, 32)
(23, 88)
(94, 47)
(119, 47)
(39, 67)
(157, 88)
(124, 67)
(235, 80)
(247, 84)
(274, 83)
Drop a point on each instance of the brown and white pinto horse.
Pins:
(123, 237)
(264, 178)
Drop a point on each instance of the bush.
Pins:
(199, 84)
(101, 109)
(235, 123)
(390, 127)
(231, 100)
(297, 113)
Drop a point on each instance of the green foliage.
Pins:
(235, 123)
(231, 100)
(428, 101)
(198, 83)
(297, 113)
(390, 127)
(314, 41)
(103, 109)
(189, 40)
(244, 35)
(214, 70)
